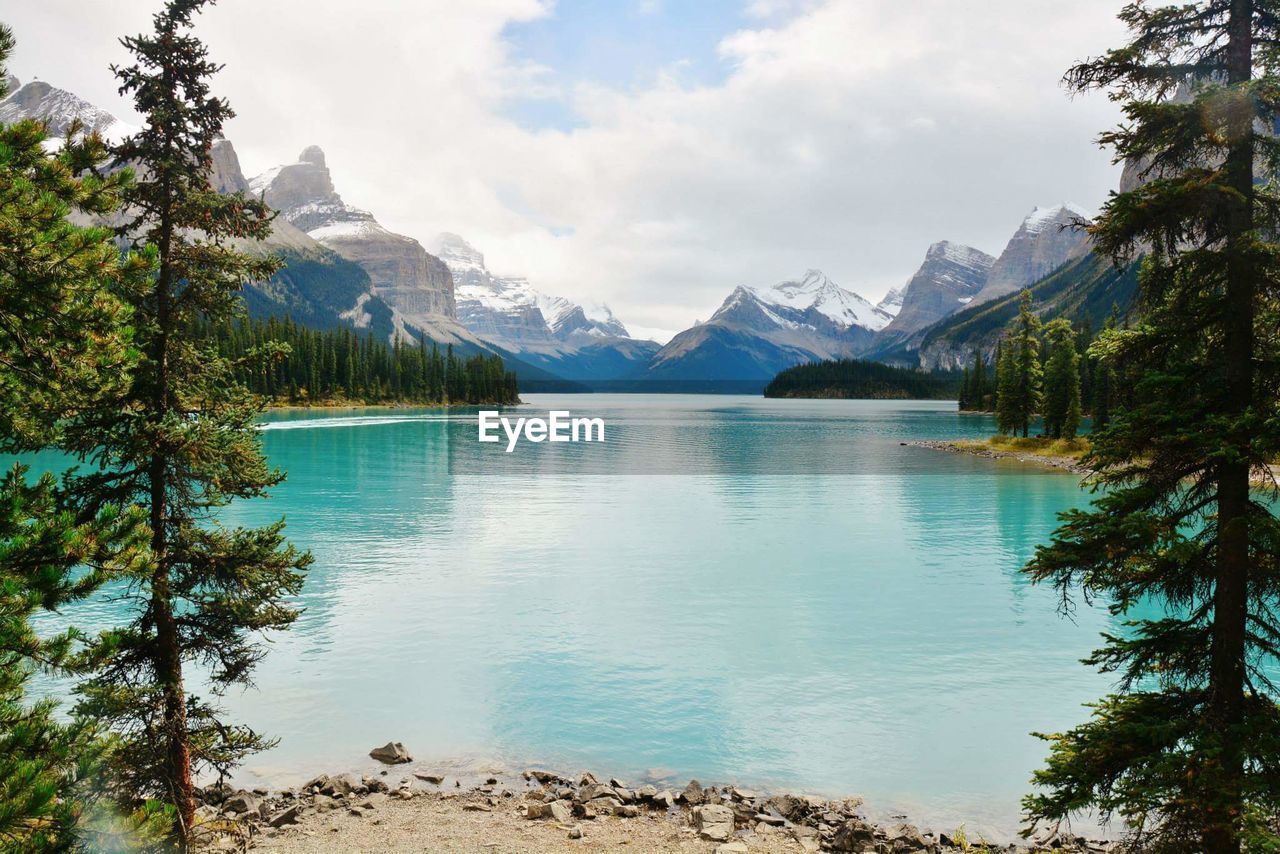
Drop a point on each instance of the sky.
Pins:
(650, 154)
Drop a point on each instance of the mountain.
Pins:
(58, 109)
(570, 340)
(950, 277)
(892, 302)
(1044, 241)
(758, 332)
(416, 285)
(1083, 290)
(350, 279)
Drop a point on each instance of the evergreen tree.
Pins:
(189, 446)
(1007, 419)
(1061, 381)
(1103, 378)
(979, 381)
(1025, 343)
(1187, 751)
(64, 348)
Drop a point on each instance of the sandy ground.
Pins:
(432, 823)
(982, 449)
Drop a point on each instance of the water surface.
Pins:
(771, 592)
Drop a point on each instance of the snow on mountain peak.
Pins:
(456, 252)
(817, 292)
(481, 295)
(58, 109)
(1062, 214)
(892, 302)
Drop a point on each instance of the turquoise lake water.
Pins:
(775, 593)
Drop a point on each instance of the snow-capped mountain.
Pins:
(892, 302)
(813, 300)
(1044, 241)
(573, 341)
(58, 109)
(416, 285)
(950, 277)
(759, 331)
(509, 310)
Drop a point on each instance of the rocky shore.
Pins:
(983, 449)
(410, 808)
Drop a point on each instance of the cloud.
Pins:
(846, 135)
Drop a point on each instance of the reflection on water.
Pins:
(776, 593)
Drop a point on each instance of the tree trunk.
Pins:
(1227, 676)
(168, 654)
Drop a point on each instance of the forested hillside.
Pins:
(307, 366)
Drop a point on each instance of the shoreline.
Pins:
(409, 806)
(976, 448)
(294, 407)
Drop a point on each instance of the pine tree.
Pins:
(1006, 389)
(1187, 750)
(189, 447)
(64, 348)
(978, 381)
(1103, 378)
(1061, 381)
(1025, 343)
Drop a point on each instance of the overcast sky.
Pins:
(651, 154)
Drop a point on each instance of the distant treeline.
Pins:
(854, 378)
(341, 365)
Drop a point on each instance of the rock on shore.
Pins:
(543, 810)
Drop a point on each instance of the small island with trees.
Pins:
(850, 379)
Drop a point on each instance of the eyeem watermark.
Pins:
(558, 426)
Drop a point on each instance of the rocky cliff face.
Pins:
(227, 176)
(501, 309)
(58, 109)
(948, 280)
(417, 285)
(1044, 242)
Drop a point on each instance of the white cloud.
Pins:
(847, 135)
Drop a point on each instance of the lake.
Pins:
(775, 593)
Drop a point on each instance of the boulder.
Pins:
(712, 821)
(215, 793)
(790, 807)
(290, 816)
(907, 837)
(664, 799)
(603, 806)
(647, 792)
(559, 811)
(242, 802)
(595, 790)
(693, 794)
(317, 783)
(392, 753)
(854, 835)
(433, 779)
(343, 784)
